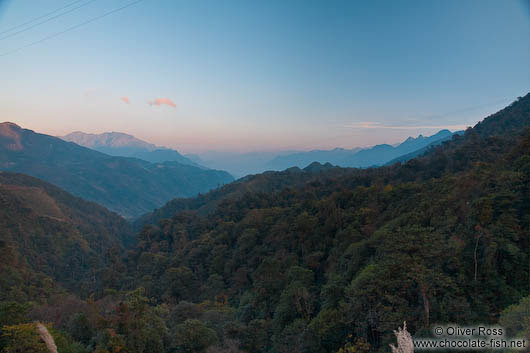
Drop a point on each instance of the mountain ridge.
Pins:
(129, 186)
(109, 139)
(358, 157)
(242, 164)
(120, 144)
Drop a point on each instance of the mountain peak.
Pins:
(124, 145)
(9, 124)
(317, 167)
(422, 139)
(108, 139)
(10, 136)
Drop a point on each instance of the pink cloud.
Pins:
(160, 101)
(125, 99)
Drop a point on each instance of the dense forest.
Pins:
(315, 260)
(50, 239)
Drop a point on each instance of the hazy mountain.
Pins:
(195, 158)
(109, 140)
(423, 150)
(128, 186)
(357, 157)
(239, 164)
(45, 231)
(242, 164)
(302, 159)
(124, 145)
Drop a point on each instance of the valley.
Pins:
(282, 261)
(264, 176)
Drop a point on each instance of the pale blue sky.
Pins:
(264, 75)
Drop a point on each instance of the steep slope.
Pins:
(128, 186)
(308, 257)
(357, 157)
(49, 238)
(124, 145)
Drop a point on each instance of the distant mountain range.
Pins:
(242, 164)
(124, 145)
(357, 157)
(302, 159)
(129, 186)
(239, 164)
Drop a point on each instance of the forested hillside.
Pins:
(359, 251)
(260, 183)
(51, 240)
(324, 259)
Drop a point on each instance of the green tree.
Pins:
(142, 326)
(192, 336)
(22, 338)
(13, 313)
(516, 319)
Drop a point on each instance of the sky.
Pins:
(240, 75)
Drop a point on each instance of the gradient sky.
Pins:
(263, 75)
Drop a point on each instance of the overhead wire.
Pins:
(39, 17)
(47, 20)
(71, 28)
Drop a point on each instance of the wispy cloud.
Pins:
(376, 125)
(125, 99)
(161, 101)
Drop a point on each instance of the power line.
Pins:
(71, 28)
(46, 20)
(38, 18)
